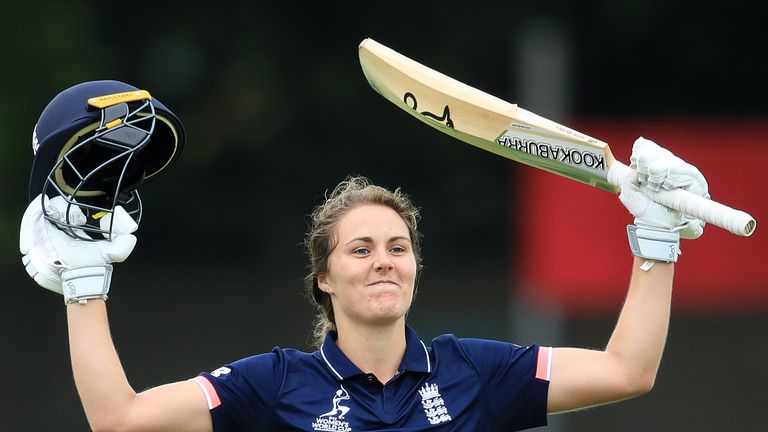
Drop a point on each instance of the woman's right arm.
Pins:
(109, 401)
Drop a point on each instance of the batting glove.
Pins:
(77, 269)
(658, 228)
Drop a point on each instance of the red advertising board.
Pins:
(571, 249)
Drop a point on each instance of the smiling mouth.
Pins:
(384, 282)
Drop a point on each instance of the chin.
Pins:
(388, 311)
(386, 320)
(386, 302)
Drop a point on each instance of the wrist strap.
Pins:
(653, 244)
(82, 284)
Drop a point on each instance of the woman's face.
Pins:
(372, 270)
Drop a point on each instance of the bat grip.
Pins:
(711, 212)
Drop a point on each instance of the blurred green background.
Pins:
(277, 111)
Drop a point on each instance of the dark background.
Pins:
(277, 111)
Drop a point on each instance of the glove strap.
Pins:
(82, 284)
(653, 244)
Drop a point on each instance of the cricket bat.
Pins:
(507, 130)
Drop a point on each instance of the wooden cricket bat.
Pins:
(507, 130)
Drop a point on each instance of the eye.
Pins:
(361, 251)
(397, 249)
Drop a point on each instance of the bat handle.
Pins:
(712, 212)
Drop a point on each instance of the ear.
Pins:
(322, 283)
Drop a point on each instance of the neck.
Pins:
(376, 350)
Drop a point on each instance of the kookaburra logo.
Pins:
(578, 157)
(333, 420)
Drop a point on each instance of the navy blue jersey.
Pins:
(455, 385)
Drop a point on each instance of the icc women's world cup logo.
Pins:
(333, 420)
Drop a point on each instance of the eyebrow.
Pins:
(370, 239)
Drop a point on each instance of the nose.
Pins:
(383, 262)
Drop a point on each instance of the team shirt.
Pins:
(453, 385)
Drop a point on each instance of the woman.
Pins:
(371, 371)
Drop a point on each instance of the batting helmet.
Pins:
(94, 144)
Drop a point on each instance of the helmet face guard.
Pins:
(105, 147)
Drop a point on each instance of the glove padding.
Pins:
(54, 259)
(655, 168)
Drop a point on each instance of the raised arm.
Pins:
(627, 367)
(81, 271)
(109, 401)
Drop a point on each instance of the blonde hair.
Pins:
(320, 240)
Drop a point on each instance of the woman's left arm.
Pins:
(627, 367)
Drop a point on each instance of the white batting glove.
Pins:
(658, 228)
(655, 168)
(78, 269)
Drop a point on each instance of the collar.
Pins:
(416, 358)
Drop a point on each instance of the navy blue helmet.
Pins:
(95, 143)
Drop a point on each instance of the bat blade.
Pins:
(483, 120)
(507, 130)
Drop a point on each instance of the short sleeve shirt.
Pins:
(454, 385)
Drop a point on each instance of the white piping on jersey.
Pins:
(549, 364)
(205, 392)
(429, 365)
(329, 363)
(322, 353)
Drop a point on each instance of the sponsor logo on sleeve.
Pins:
(221, 371)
